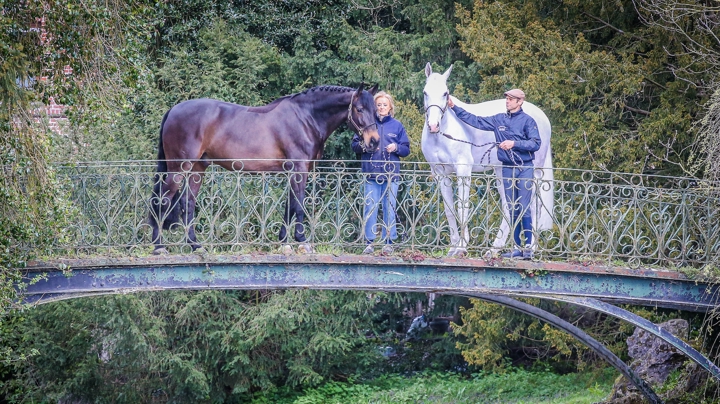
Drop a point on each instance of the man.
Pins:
(517, 139)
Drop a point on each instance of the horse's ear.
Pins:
(447, 72)
(360, 89)
(428, 69)
(373, 90)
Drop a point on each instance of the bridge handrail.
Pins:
(598, 216)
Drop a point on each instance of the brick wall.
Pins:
(54, 116)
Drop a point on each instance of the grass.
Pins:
(516, 386)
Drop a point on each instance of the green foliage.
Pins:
(32, 211)
(225, 64)
(611, 103)
(188, 347)
(194, 49)
(707, 148)
(497, 337)
(430, 387)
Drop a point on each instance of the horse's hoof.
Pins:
(491, 253)
(160, 251)
(287, 249)
(457, 252)
(305, 249)
(200, 250)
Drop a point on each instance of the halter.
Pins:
(352, 121)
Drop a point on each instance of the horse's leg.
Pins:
(289, 210)
(446, 190)
(294, 208)
(194, 181)
(166, 207)
(287, 217)
(155, 217)
(463, 209)
(300, 216)
(504, 230)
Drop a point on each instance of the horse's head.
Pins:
(436, 97)
(361, 115)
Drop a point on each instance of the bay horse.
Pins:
(454, 148)
(288, 134)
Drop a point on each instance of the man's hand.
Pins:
(391, 147)
(450, 103)
(507, 144)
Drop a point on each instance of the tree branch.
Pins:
(607, 24)
(639, 111)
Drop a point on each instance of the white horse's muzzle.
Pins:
(432, 120)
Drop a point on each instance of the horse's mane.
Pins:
(271, 106)
(323, 88)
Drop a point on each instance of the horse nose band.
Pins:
(442, 111)
(352, 121)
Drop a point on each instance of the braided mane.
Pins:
(323, 88)
(271, 106)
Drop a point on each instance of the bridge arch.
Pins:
(580, 335)
(488, 280)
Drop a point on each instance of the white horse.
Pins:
(457, 157)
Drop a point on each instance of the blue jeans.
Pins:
(518, 183)
(377, 191)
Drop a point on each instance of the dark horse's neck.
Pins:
(327, 105)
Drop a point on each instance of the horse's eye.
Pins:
(425, 93)
(446, 94)
(359, 110)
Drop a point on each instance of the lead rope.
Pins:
(513, 156)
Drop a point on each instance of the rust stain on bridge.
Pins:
(587, 267)
(361, 272)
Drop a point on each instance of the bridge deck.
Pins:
(403, 272)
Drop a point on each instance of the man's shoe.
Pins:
(512, 254)
(388, 249)
(368, 250)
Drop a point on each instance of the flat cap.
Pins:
(515, 93)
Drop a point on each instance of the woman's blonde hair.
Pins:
(390, 100)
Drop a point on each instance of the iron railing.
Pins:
(598, 216)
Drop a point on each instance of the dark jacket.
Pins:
(517, 126)
(378, 161)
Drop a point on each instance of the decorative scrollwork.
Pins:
(641, 220)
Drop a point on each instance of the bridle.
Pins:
(442, 110)
(352, 121)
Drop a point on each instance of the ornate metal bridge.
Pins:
(616, 238)
(634, 220)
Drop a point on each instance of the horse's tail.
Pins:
(160, 212)
(546, 182)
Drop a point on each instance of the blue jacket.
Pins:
(379, 161)
(517, 126)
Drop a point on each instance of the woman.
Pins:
(381, 168)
